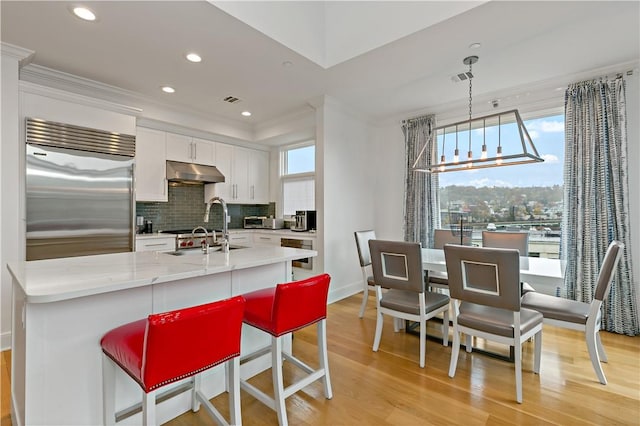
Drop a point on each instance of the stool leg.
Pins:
(108, 391)
(195, 402)
(278, 380)
(324, 357)
(233, 383)
(149, 409)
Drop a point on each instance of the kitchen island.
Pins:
(62, 308)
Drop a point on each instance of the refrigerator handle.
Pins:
(132, 231)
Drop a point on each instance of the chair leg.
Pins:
(365, 297)
(423, 340)
(323, 356)
(233, 383)
(108, 391)
(149, 409)
(445, 328)
(538, 352)
(601, 351)
(455, 350)
(591, 337)
(468, 343)
(518, 365)
(277, 377)
(378, 336)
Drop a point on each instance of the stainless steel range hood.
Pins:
(192, 173)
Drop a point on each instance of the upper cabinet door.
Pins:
(241, 159)
(204, 152)
(180, 148)
(259, 177)
(224, 161)
(151, 172)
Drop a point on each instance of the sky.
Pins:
(547, 135)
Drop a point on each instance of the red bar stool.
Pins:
(172, 346)
(280, 311)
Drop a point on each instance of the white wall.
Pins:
(345, 192)
(388, 163)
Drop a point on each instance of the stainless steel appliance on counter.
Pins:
(79, 191)
(253, 222)
(271, 223)
(305, 221)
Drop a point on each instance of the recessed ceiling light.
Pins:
(168, 89)
(475, 46)
(287, 64)
(194, 57)
(84, 13)
(246, 113)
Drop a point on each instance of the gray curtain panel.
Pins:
(421, 198)
(596, 207)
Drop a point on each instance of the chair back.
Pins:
(485, 276)
(300, 303)
(608, 270)
(507, 240)
(186, 341)
(397, 265)
(362, 243)
(446, 236)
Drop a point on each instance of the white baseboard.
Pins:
(5, 341)
(344, 291)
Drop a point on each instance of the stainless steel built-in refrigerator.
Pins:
(79, 191)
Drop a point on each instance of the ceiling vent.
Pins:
(231, 99)
(462, 77)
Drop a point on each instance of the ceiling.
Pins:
(376, 58)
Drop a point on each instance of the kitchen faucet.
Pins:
(205, 243)
(225, 216)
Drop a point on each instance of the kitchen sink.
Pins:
(198, 250)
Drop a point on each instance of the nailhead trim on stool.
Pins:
(279, 311)
(172, 346)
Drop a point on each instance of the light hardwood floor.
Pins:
(389, 388)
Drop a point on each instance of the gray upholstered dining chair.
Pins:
(362, 243)
(578, 315)
(509, 240)
(484, 284)
(397, 266)
(436, 279)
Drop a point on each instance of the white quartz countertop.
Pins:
(51, 280)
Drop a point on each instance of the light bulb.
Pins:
(469, 158)
(456, 156)
(483, 156)
(442, 161)
(499, 156)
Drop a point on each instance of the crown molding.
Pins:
(91, 88)
(37, 89)
(24, 56)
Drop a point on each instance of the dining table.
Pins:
(543, 274)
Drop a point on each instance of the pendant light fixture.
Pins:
(519, 148)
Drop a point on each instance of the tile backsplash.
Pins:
(185, 210)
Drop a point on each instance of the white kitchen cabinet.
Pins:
(190, 150)
(151, 165)
(246, 174)
(244, 239)
(144, 243)
(260, 239)
(259, 177)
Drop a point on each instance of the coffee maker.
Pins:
(305, 221)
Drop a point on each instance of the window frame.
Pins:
(292, 177)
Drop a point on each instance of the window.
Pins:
(524, 197)
(298, 178)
